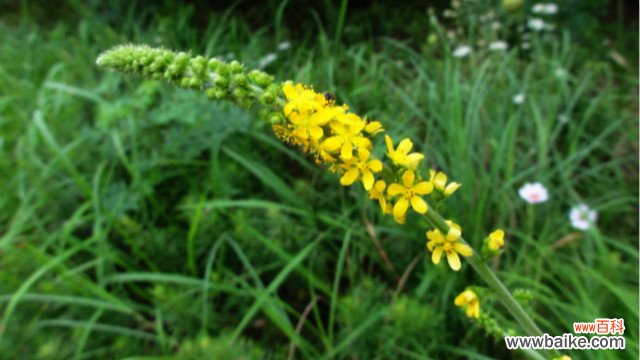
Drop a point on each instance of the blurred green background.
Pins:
(142, 221)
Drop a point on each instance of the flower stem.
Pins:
(491, 279)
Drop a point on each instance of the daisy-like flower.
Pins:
(439, 181)
(401, 156)
(462, 51)
(448, 245)
(361, 167)
(410, 194)
(534, 193)
(518, 99)
(582, 217)
(496, 240)
(347, 134)
(470, 301)
(498, 45)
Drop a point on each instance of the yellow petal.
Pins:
(437, 255)
(462, 249)
(373, 127)
(451, 188)
(412, 160)
(332, 143)
(400, 208)
(461, 299)
(389, 142)
(407, 178)
(375, 165)
(363, 154)
(454, 232)
(362, 142)
(395, 189)
(288, 108)
(419, 205)
(380, 186)
(435, 235)
(440, 181)
(289, 91)
(347, 150)
(367, 180)
(475, 310)
(423, 188)
(454, 260)
(405, 146)
(316, 132)
(350, 177)
(321, 117)
(432, 175)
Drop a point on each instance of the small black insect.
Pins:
(329, 96)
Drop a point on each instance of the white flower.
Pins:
(561, 73)
(284, 45)
(266, 60)
(498, 45)
(582, 217)
(518, 99)
(462, 51)
(563, 118)
(525, 45)
(534, 193)
(545, 9)
(536, 24)
(496, 25)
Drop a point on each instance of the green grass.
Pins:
(142, 221)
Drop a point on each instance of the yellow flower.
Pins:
(563, 357)
(440, 182)
(440, 245)
(409, 195)
(347, 134)
(377, 193)
(469, 300)
(301, 99)
(496, 240)
(401, 156)
(373, 127)
(308, 126)
(360, 167)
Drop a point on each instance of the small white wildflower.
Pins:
(534, 193)
(284, 45)
(266, 60)
(498, 45)
(563, 118)
(536, 24)
(449, 13)
(525, 46)
(496, 25)
(545, 9)
(462, 51)
(518, 99)
(582, 217)
(561, 73)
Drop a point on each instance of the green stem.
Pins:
(491, 279)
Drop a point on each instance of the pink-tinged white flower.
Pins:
(498, 45)
(582, 217)
(462, 51)
(534, 193)
(518, 99)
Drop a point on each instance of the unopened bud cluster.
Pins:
(221, 80)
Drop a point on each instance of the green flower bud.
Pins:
(235, 67)
(222, 82)
(195, 83)
(260, 78)
(213, 64)
(267, 98)
(276, 118)
(240, 80)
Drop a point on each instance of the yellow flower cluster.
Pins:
(342, 141)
